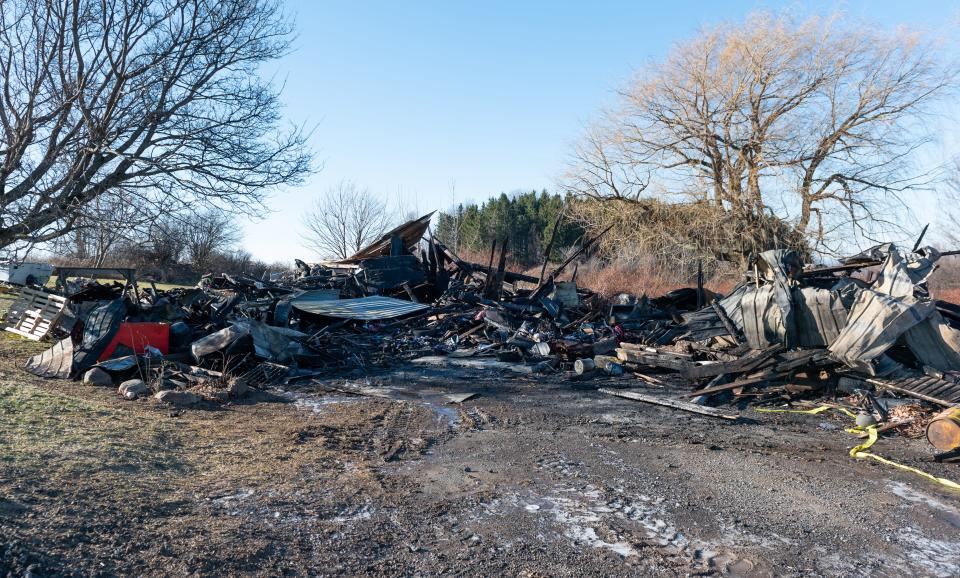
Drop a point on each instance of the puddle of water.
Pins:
(316, 403)
(320, 403)
(578, 520)
(907, 493)
(444, 413)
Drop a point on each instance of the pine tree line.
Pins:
(526, 219)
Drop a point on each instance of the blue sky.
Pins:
(408, 98)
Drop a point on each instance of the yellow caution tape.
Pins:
(858, 452)
(872, 437)
(814, 411)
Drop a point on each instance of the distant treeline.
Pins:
(526, 219)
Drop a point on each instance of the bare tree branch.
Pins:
(344, 220)
(162, 97)
(822, 115)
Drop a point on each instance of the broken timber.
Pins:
(748, 362)
(640, 355)
(674, 403)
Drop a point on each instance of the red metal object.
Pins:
(137, 336)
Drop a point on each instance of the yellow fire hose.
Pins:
(872, 437)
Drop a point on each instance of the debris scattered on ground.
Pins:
(788, 337)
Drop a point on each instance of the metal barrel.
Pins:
(943, 431)
(582, 366)
(609, 364)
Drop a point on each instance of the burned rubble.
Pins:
(863, 338)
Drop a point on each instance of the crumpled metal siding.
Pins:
(935, 343)
(762, 318)
(901, 273)
(875, 322)
(56, 362)
(731, 304)
(819, 316)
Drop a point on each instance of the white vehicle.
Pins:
(25, 273)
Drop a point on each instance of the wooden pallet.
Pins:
(36, 313)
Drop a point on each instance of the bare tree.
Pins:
(163, 98)
(949, 200)
(814, 119)
(103, 224)
(344, 220)
(208, 233)
(167, 242)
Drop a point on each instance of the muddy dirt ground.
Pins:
(534, 477)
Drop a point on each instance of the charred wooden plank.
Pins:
(668, 402)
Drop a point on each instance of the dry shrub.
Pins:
(638, 276)
(635, 275)
(679, 235)
(945, 281)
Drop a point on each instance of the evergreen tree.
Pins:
(525, 218)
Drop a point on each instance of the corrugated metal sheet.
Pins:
(317, 295)
(875, 322)
(819, 316)
(762, 318)
(363, 309)
(935, 343)
(731, 304)
(56, 362)
(924, 387)
(281, 313)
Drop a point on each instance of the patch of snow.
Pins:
(354, 515)
(236, 496)
(913, 495)
(939, 557)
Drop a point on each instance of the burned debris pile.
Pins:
(863, 337)
(402, 298)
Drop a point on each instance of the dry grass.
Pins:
(951, 294)
(635, 276)
(85, 475)
(617, 278)
(945, 281)
(620, 277)
(483, 258)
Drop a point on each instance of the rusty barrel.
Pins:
(943, 431)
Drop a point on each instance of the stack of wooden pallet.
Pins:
(35, 313)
